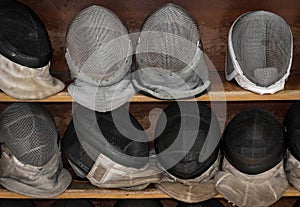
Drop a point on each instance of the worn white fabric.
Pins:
(245, 190)
(292, 169)
(190, 190)
(46, 181)
(22, 82)
(106, 173)
(165, 84)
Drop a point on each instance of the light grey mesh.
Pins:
(29, 132)
(169, 56)
(262, 46)
(168, 50)
(98, 46)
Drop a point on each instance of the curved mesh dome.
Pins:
(292, 128)
(183, 128)
(23, 37)
(165, 33)
(91, 133)
(254, 141)
(262, 44)
(208, 203)
(98, 45)
(138, 203)
(16, 203)
(28, 130)
(72, 203)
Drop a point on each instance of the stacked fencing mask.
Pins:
(98, 53)
(72, 203)
(259, 54)
(208, 203)
(187, 149)
(16, 203)
(138, 203)
(30, 159)
(252, 170)
(169, 56)
(110, 149)
(25, 54)
(292, 132)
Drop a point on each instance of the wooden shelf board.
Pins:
(82, 189)
(224, 91)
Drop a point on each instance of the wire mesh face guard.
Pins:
(31, 162)
(259, 54)
(29, 132)
(72, 203)
(183, 129)
(23, 37)
(95, 133)
(98, 53)
(169, 55)
(138, 203)
(208, 203)
(292, 132)
(16, 203)
(25, 54)
(254, 141)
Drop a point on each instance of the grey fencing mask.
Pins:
(259, 54)
(292, 126)
(208, 203)
(180, 145)
(16, 203)
(72, 203)
(25, 54)
(138, 203)
(98, 53)
(252, 170)
(169, 56)
(110, 149)
(30, 157)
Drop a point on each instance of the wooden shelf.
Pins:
(224, 91)
(83, 189)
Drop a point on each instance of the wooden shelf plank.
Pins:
(220, 91)
(85, 190)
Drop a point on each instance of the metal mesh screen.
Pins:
(254, 141)
(163, 41)
(16, 203)
(292, 127)
(262, 46)
(23, 37)
(29, 132)
(98, 43)
(182, 128)
(208, 203)
(138, 203)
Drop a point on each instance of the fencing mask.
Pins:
(292, 126)
(110, 149)
(25, 54)
(30, 160)
(182, 134)
(169, 56)
(138, 203)
(252, 170)
(72, 203)
(208, 203)
(259, 54)
(98, 53)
